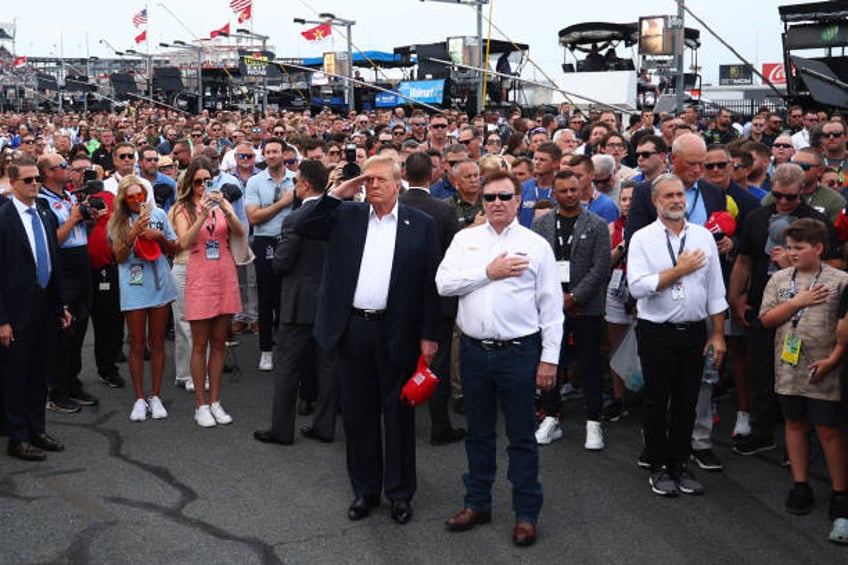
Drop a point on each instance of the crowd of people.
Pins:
(514, 255)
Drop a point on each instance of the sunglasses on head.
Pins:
(721, 165)
(787, 197)
(30, 180)
(502, 196)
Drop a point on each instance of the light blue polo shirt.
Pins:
(238, 205)
(261, 191)
(61, 208)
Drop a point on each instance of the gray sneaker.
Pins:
(662, 483)
(687, 483)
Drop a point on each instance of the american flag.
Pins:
(239, 6)
(140, 18)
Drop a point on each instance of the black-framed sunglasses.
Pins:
(125, 156)
(721, 165)
(502, 196)
(30, 180)
(645, 154)
(787, 197)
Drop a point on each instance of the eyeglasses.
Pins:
(645, 154)
(737, 166)
(30, 180)
(256, 130)
(167, 167)
(439, 126)
(782, 145)
(334, 152)
(290, 161)
(787, 197)
(246, 155)
(502, 196)
(199, 181)
(125, 156)
(62, 166)
(493, 141)
(136, 198)
(151, 159)
(78, 170)
(28, 141)
(832, 134)
(398, 132)
(420, 124)
(615, 145)
(805, 166)
(758, 124)
(721, 165)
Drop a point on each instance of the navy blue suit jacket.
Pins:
(412, 309)
(17, 267)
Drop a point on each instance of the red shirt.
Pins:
(99, 250)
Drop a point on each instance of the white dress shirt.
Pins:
(27, 220)
(703, 292)
(375, 270)
(508, 308)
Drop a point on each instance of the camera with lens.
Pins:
(88, 203)
(351, 170)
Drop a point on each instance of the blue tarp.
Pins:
(381, 58)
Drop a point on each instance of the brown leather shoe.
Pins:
(524, 533)
(467, 519)
(25, 451)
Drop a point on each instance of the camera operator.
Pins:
(106, 318)
(66, 393)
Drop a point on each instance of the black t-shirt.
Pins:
(755, 232)
(564, 234)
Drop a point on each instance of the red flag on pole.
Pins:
(141, 37)
(19, 62)
(242, 8)
(216, 32)
(244, 15)
(318, 33)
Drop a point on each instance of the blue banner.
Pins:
(427, 91)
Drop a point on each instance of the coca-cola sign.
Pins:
(774, 73)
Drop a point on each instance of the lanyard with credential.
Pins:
(793, 290)
(671, 251)
(694, 202)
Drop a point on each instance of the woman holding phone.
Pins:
(204, 221)
(141, 238)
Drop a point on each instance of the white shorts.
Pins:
(616, 308)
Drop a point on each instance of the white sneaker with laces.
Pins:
(139, 411)
(218, 413)
(203, 417)
(548, 431)
(157, 410)
(743, 425)
(594, 436)
(266, 361)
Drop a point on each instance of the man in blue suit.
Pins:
(30, 311)
(379, 309)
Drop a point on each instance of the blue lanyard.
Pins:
(671, 251)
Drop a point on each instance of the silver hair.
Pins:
(788, 174)
(606, 163)
(664, 178)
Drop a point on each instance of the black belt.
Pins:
(369, 314)
(275, 239)
(676, 326)
(496, 344)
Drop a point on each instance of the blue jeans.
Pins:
(508, 375)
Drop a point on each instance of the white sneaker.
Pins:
(189, 385)
(266, 361)
(548, 431)
(743, 425)
(218, 413)
(594, 436)
(157, 410)
(139, 411)
(203, 417)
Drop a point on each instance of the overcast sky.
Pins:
(74, 29)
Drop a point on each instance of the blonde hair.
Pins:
(119, 223)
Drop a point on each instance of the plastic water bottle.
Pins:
(710, 375)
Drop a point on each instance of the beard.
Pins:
(673, 213)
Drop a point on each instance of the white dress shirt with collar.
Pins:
(508, 308)
(27, 220)
(375, 270)
(703, 291)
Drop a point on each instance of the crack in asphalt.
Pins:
(187, 495)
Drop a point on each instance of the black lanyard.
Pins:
(564, 247)
(694, 202)
(793, 290)
(671, 251)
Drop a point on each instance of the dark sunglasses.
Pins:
(721, 165)
(832, 134)
(60, 166)
(439, 126)
(199, 181)
(782, 145)
(125, 156)
(280, 132)
(197, 135)
(28, 141)
(646, 154)
(737, 166)
(245, 155)
(256, 130)
(603, 181)
(493, 141)
(152, 159)
(805, 166)
(30, 180)
(502, 196)
(419, 124)
(466, 141)
(290, 161)
(787, 197)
